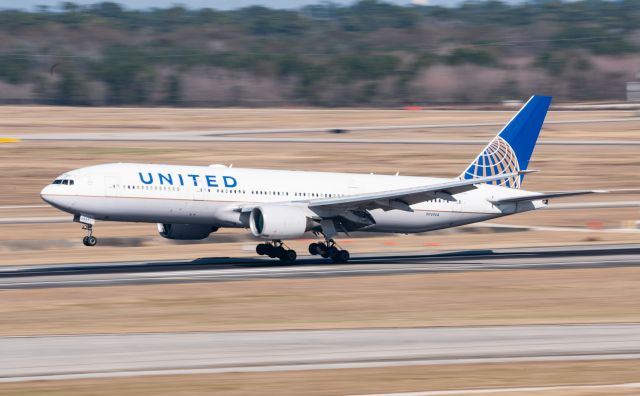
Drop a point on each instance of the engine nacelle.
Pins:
(185, 232)
(279, 222)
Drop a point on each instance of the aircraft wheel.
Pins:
(269, 250)
(261, 249)
(279, 252)
(341, 256)
(89, 241)
(289, 256)
(313, 249)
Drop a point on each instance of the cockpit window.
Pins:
(66, 182)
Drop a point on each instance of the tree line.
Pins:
(368, 53)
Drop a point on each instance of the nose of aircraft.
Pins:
(48, 196)
(59, 197)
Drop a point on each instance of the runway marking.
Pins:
(630, 385)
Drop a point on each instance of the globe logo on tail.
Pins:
(497, 158)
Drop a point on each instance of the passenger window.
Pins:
(57, 181)
(65, 182)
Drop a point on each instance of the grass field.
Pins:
(455, 299)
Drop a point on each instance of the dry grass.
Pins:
(444, 299)
(358, 381)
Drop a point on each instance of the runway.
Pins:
(122, 355)
(218, 269)
(253, 135)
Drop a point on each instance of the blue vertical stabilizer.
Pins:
(511, 150)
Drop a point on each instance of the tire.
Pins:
(313, 249)
(91, 241)
(261, 249)
(322, 250)
(341, 257)
(279, 252)
(85, 241)
(269, 250)
(333, 252)
(289, 256)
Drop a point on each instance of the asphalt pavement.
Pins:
(123, 355)
(218, 269)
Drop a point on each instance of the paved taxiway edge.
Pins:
(113, 355)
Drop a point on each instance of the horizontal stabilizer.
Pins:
(540, 196)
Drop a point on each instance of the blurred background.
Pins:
(277, 53)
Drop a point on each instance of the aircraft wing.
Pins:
(549, 195)
(403, 198)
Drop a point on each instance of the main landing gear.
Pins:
(277, 249)
(329, 250)
(89, 240)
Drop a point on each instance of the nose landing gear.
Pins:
(89, 240)
(329, 250)
(277, 249)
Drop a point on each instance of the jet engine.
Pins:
(185, 231)
(279, 222)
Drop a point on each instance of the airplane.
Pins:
(191, 202)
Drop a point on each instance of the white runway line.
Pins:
(631, 385)
(23, 206)
(36, 220)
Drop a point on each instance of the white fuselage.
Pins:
(212, 195)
